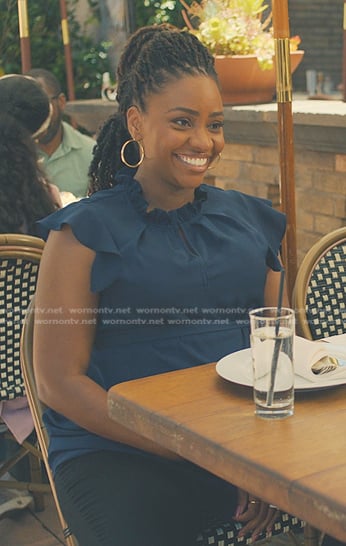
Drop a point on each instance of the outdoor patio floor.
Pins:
(30, 528)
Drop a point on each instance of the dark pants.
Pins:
(330, 541)
(117, 499)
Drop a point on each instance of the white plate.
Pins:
(237, 368)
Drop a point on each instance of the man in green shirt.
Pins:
(65, 152)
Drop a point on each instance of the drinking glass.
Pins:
(272, 338)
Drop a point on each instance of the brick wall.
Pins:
(319, 178)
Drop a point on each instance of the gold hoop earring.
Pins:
(141, 153)
(214, 162)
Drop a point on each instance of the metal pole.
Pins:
(24, 35)
(67, 48)
(285, 135)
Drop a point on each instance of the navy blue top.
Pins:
(174, 287)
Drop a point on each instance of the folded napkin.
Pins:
(322, 361)
(336, 346)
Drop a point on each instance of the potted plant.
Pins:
(242, 41)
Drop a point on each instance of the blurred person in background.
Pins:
(26, 195)
(66, 153)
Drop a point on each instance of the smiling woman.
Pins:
(156, 243)
(181, 139)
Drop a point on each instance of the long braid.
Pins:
(106, 154)
(153, 56)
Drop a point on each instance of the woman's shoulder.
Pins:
(92, 219)
(233, 198)
(251, 212)
(98, 203)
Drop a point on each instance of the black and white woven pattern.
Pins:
(226, 533)
(17, 286)
(326, 294)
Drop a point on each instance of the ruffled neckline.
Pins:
(135, 193)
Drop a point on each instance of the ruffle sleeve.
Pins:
(90, 230)
(254, 214)
(272, 224)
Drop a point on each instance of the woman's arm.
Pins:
(55, 195)
(63, 340)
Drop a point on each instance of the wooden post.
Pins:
(68, 53)
(24, 35)
(130, 16)
(285, 135)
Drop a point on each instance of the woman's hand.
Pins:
(255, 515)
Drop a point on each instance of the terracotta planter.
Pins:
(243, 82)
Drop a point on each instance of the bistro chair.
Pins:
(319, 294)
(225, 534)
(19, 262)
(37, 408)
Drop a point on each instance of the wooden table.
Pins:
(298, 464)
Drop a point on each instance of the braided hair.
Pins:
(153, 56)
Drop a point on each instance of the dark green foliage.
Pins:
(47, 50)
(150, 12)
(90, 58)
